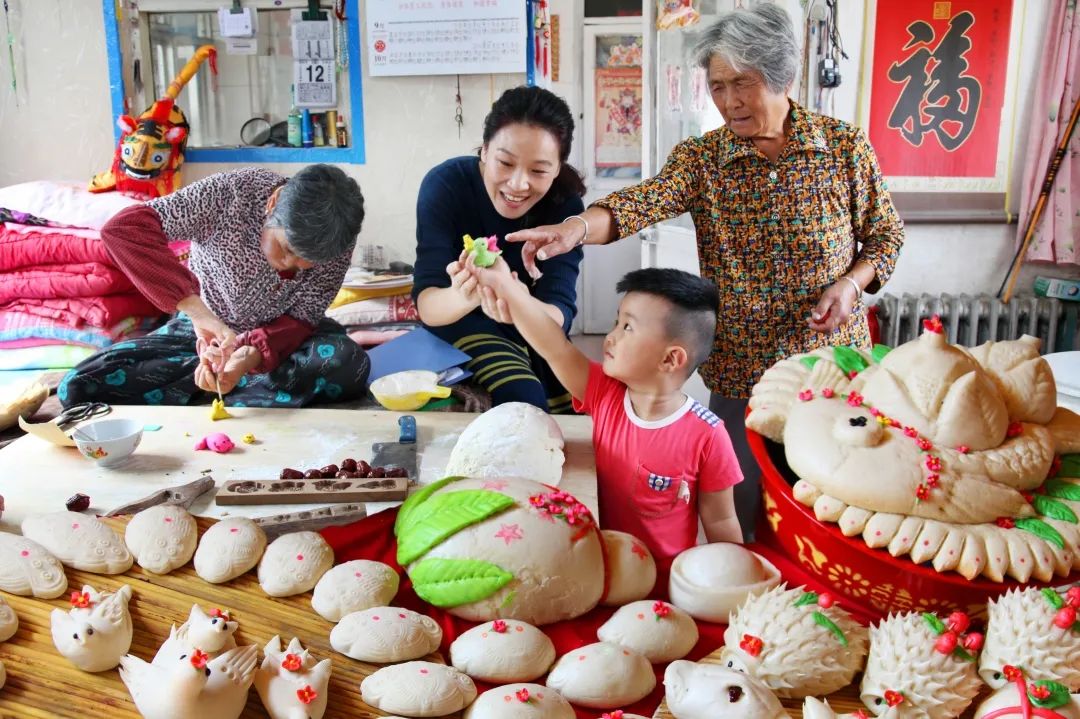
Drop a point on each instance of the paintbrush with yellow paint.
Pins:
(217, 407)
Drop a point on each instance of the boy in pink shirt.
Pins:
(662, 459)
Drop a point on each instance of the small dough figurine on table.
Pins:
(484, 251)
(218, 411)
(216, 442)
(97, 631)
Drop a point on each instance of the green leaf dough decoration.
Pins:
(879, 352)
(809, 361)
(450, 583)
(1058, 697)
(1062, 489)
(849, 360)
(806, 598)
(936, 625)
(1070, 466)
(1053, 598)
(443, 516)
(961, 653)
(821, 620)
(415, 500)
(1042, 530)
(1052, 508)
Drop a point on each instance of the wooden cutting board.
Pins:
(42, 684)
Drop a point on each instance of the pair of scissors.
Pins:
(80, 412)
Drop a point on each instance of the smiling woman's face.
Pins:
(519, 165)
(745, 102)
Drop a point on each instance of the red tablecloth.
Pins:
(373, 538)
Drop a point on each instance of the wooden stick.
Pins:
(183, 495)
(1009, 283)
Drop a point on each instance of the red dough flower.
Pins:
(199, 658)
(1005, 522)
(911, 432)
(292, 663)
(660, 609)
(932, 480)
(523, 695)
(307, 694)
(1015, 429)
(827, 393)
(751, 645)
(1039, 691)
(617, 714)
(806, 395)
(925, 444)
(80, 599)
(855, 399)
(963, 449)
(922, 492)
(1012, 673)
(893, 698)
(933, 325)
(933, 463)
(859, 714)
(498, 626)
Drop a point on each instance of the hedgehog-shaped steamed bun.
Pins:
(1035, 629)
(906, 671)
(796, 642)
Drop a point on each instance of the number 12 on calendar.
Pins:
(314, 72)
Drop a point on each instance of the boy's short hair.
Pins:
(694, 305)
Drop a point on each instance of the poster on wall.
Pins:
(941, 92)
(618, 98)
(445, 37)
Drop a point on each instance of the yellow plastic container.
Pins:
(406, 391)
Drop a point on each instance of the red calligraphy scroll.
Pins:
(938, 86)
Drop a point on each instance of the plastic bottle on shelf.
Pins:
(342, 133)
(308, 137)
(320, 134)
(294, 121)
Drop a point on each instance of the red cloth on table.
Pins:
(373, 538)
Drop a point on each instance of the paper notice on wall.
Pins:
(673, 75)
(445, 37)
(314, 72)
(236, 24)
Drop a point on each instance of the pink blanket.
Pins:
(88, 279)
(76, 311)
(25, 246)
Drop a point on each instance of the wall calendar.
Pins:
(445, 37)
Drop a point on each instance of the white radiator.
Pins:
(971, 320)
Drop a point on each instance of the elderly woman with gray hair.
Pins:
(268, 254)
(792, 217)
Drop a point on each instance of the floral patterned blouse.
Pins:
(773, 236)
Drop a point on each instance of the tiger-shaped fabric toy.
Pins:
(151, 150)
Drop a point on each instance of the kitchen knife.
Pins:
(400, 454)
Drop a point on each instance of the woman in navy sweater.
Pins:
(521, 180)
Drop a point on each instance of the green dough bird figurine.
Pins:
(484, 251)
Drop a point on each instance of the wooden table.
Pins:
(38, 477)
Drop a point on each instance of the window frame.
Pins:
(353, 154)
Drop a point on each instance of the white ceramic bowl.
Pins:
(709, 581)
(108, 441)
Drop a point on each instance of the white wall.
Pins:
(60, 126)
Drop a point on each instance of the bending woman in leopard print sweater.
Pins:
(268, 254)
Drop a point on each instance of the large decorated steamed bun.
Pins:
(501, 548)
(932, 450)
(511, 440)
